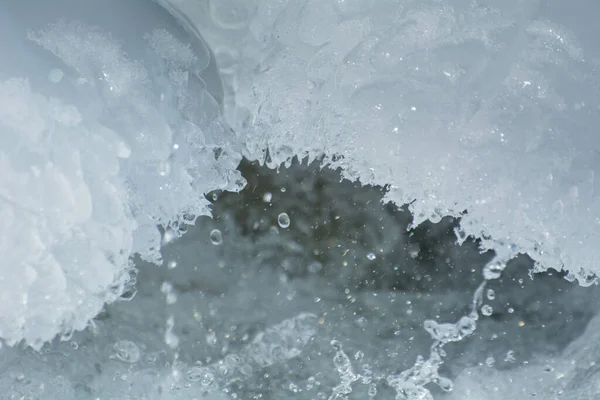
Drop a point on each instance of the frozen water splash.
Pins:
(67, 231)
(514, 91)
(277, 344)
(252, 327)
(103, 137)
(351, 81)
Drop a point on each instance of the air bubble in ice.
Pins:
(491, 295)
(487, 310)
(127, 351)
(202, 375)
(371, 256)
(283, 220)
(267, 197)
(216, 237)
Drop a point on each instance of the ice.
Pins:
(483, 111)
(117, 118)
(107, 132)
(257, 317)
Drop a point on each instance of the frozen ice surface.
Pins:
(252, 319)
(106, 130)
(479, 109)
(113, 121)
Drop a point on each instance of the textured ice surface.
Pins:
(110, 123)
(253, 317)
(485, 110)
(106, 129)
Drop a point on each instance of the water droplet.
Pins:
(202, 375)
(211, 339)
(493, 270)
(510, 310)
(413, 250)
(466, 326)
(171, 339)
(487, 310)
(267, 197)
(371, 256)
(168, 236)
(359, 355)
(445, 384)
(510, 357)
(372, 392)
(164, 168)
(491, 295)
(127, 351)
(283, 220)
(216, 237)
(315, 267)
(56, 75)
(172, 264)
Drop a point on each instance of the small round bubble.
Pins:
(283, 220)
(371, 256)
(216, 237)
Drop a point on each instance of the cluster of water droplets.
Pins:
(274, 345)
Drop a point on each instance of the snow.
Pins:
(118, 117)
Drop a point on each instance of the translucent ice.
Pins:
(111, 123)
(107, 127)
(485, 111)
